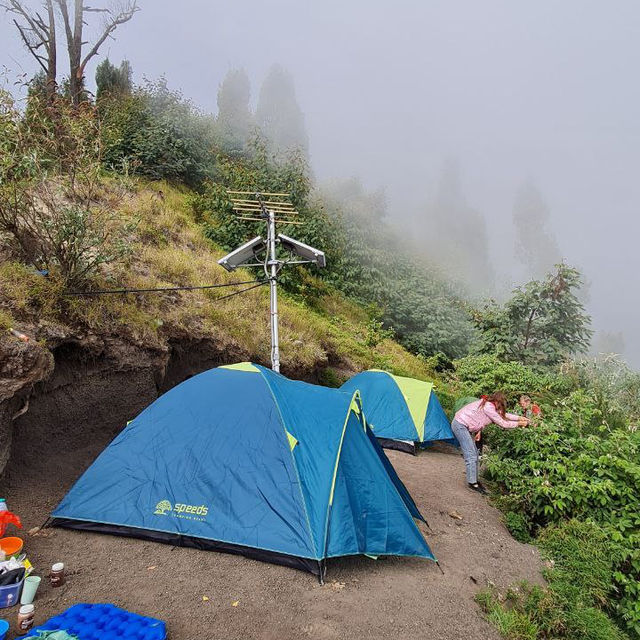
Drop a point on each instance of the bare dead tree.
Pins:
(38, 32)
(74, 26)
(37, 28)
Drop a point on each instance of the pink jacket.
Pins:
(476, 418)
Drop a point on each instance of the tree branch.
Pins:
(527, 334)
(32, 48)
(121, 18)
(15, 7)
(65, 18)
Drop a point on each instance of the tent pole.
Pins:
(273, 286)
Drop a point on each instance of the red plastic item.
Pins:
(7, 518)
(535, 410)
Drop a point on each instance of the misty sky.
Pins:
(543, 91)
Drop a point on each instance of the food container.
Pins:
(57, 574)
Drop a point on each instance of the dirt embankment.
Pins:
(80, 387)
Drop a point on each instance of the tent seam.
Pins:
(335, 471)
(293, 461)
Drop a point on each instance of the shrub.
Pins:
(478, 374)
(575, 467)
(52, 210)
(154, 132)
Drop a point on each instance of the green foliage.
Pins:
(573, 465)
(580, 587)
(479, 374)
(370, 265)
(512, 624)
(531, 612)
(518, 525)
(542, 323)
(113, 81)
(329, 377)
(615, 386)
(6, 320)
(154, 132)
(52, 213)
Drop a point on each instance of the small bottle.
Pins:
(3, 505)
(57, 575)
(25, 618)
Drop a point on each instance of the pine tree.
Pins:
(278, 114)
(235, 120)
(456, 234)
(112, 80)
(536, 247)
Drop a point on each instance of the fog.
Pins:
(531, 109)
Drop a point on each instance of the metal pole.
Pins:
(273, 284)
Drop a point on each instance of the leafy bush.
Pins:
(478, 374)
(573, 466)
(156, 133)
(52, 211)
(580, 586)
(615, 385)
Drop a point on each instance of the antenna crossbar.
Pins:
(259, 193)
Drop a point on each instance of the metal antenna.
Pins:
(252, 206)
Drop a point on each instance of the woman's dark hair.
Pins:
(499, 401)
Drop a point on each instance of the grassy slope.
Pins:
(168, 248)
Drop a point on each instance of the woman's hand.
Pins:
(523, 422)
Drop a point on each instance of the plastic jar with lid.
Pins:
(26, 615)
(3, 505)
(57, 575)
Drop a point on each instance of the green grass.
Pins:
(168, 248)
(574, 603)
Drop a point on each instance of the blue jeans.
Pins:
(469, 450)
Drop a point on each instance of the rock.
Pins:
(22, 365)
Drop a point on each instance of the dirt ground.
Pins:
(207, 595)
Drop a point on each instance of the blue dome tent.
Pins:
(243, 460)
(403, 413)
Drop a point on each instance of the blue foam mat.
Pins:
(103, 622)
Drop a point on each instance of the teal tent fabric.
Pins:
(402, 412)
(244, 460)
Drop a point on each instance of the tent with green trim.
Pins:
(243, 460)
(403, 413)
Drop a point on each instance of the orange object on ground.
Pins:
(11, 546)
(7, 518)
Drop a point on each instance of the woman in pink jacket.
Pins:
(472, 419)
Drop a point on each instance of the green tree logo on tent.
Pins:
(162, 507)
